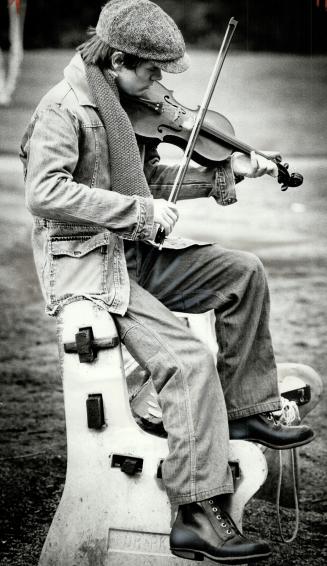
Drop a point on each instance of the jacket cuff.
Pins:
(146, 216)
(223, 190)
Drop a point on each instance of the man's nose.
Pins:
(156, 75)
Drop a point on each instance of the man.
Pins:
(90, 188)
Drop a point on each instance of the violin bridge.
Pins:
(189, 123)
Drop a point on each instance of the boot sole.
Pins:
(276, 446)
(200, 555)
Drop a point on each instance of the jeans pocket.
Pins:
(78, 266)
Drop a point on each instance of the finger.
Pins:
(263, 164)
(172, 219)
(168, 224)
(266, 166)
(256, 165)
(168, 229)
(173, 208)
(272, 169)
(165, 226)
(254, 161)
(169, 216)
(274, 154)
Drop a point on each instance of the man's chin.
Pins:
(144, 90)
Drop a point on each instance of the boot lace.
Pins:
(289, 413)
(225, 521)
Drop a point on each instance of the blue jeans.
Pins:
(196, 403)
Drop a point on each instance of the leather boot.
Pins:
(266, 429)
(203, 530)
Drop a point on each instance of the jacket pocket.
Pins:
(78, 266)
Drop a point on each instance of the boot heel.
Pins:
(188, 554)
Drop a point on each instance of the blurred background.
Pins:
(298, 26)
(273, 90)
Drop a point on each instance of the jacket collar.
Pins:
(75, 75)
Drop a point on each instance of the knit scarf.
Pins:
(126, 170)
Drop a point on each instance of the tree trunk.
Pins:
(8, 80)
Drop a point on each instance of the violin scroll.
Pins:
(286, 179)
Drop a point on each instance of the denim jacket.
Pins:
(79, 223)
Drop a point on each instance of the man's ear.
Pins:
(117, 60)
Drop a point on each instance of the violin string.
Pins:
(231, 141)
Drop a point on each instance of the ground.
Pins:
(287, 231)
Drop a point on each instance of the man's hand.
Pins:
(165, 214)
(255, 165)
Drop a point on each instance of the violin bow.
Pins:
(160, 236)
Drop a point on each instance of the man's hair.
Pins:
(97, 52)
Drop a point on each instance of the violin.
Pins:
(159, 117)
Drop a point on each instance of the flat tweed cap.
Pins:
(142, 28)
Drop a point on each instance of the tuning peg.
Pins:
(286, 165)
(284, 187)
(296, 179)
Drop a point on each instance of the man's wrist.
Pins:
(146, 218)
(237, 176)
(224, 184)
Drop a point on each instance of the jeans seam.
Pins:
(222, 347)
(124, 334)
(191, 434)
